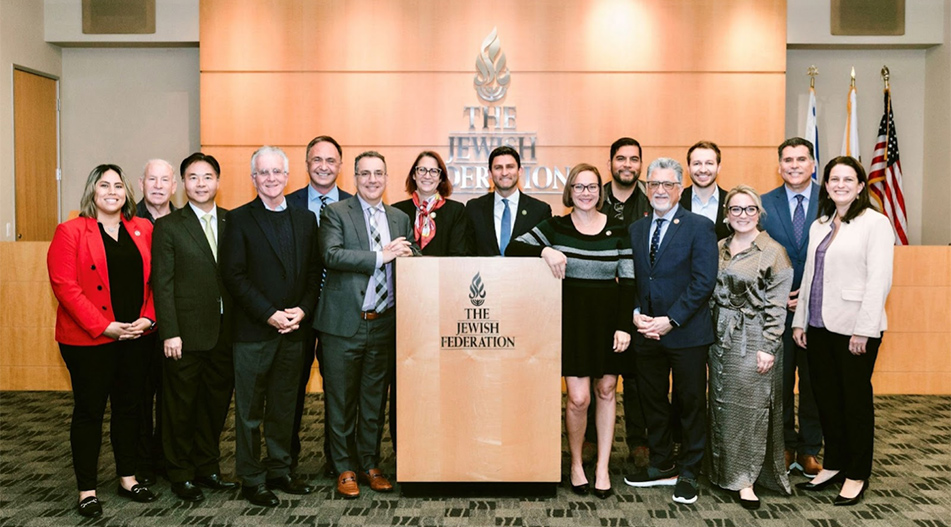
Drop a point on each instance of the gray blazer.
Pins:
(345, 247)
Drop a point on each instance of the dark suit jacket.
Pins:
(189, 292)
(778, 223)
(450, 238)
(258, 280)
(345, 247)
(680, 282)
(299, 198)
(480, 220)
(722, 229)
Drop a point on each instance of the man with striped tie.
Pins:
(324, 157)
(360, 238)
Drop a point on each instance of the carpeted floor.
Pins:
(911, 484)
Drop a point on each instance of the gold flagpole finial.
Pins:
(813, 71)
(852, 84)
(885, 75)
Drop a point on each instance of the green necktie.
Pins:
(210, 234)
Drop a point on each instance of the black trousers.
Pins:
(196, 396)
(149, 449)
(655, 362)
(311, 349)
(842, 385)
(807, 440)
(109, 372)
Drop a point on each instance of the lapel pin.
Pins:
(676, 221)
(524, 212)
(432, 215)
(137, 233)
(608, 233)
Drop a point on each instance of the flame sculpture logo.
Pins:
(492, 80)
(477, 291)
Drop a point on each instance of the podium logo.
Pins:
(477, 291)
(493, 77)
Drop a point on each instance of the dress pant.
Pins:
(357, 369)
(655, 362)
(635, 424)
(149, 450)
(108, 372)
(311, 349)
(808, 439)
(196, 396)
(265, 391)
(842, 385)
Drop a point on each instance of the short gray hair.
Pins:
(145, 168)
(269, 150)
(666, 163)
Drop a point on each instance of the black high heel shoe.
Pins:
(812, 487)
(581, 490)
(603, 493)
(842, 501)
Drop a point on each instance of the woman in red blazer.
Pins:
(99, 267)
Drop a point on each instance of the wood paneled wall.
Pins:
(395, 76)
(915, 356)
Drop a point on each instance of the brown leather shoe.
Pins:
(809, 465)
(347, 485)
(789, 456)
(377, 481)
(640, 456)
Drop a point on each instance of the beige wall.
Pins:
(21, 45)
(937, 148)
(126, 106)
(176, 23)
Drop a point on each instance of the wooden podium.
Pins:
(478, 367)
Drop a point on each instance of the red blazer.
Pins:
(80, 279)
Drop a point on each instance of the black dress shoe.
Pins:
(215, 482)
(581, 490)
(842, 501)
(90, 507)
(139, 493)
(259, 495)
(810, 486)
(146, 477)
(289, 485)
(187, 491)
(750, 505)
(603, 493)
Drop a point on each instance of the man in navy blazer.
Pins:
(324, 157)
(798, 196)
(675, 267)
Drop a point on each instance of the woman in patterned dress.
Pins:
(593, 259)
(749, 304)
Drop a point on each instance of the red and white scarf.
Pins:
(425, 227)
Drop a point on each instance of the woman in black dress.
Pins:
(439, 225)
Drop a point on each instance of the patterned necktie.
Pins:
(655, 239)
(210, 234)
(799, 219)
(505, 230)
(323, 203)
(379, 274)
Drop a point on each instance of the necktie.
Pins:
(505, 230)
(210, 234)
(379, 274)
(655, 239)
(323, 203)
(799, 219)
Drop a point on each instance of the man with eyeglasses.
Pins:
(675, 269)
(704, 196)
(324, 157)
(360, 239)
(790, 209)
(505, 213)
(270, 263)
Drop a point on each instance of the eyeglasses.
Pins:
(668, 185)
(379, 174)
(276, 172)
(752, 210)
(433, 172)
(331, 161)
(579, 188)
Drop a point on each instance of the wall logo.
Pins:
(493, 77)
(476, 291)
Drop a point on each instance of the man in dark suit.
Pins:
(704, 196)
(356, 319)
(194, 314)
(271, 267)
(504, 214)
(675, 267)
(158, 185)
(324, 158)
(790, 209)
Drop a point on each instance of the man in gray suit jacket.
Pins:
(193, 311)
(360, 238)
(790, 209)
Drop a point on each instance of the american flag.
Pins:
(885, 175)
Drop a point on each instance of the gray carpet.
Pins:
(911, 484)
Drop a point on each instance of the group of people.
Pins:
(166, 322)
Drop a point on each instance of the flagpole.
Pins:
(888, 107)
